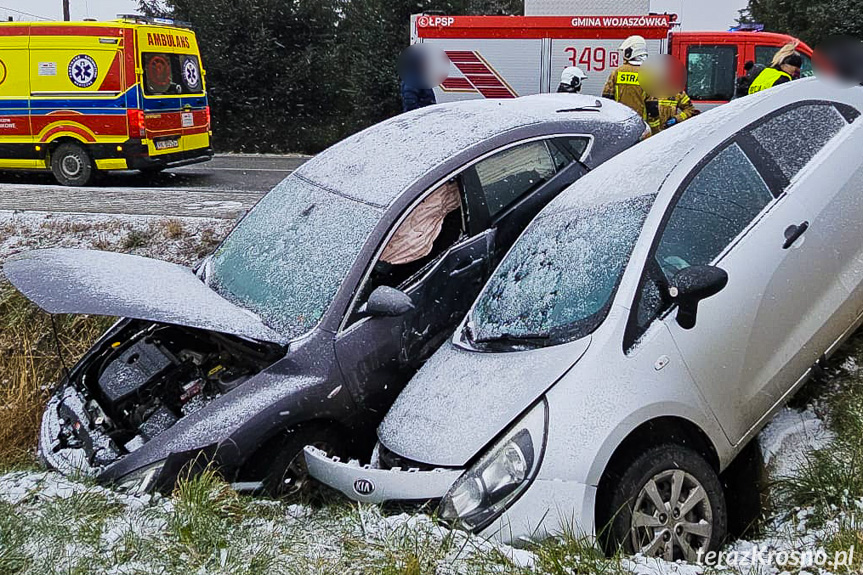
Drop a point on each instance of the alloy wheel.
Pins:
(672, 517)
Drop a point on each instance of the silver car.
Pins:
(641, 331)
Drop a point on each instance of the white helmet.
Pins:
(573, 76)
(634, 49)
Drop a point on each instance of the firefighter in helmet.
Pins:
(785, 67)
(624, 83)
(571, 80)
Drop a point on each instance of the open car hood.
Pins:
(460, 400)
(122, 285)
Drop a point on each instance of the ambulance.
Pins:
(81, 97)
(511, 56)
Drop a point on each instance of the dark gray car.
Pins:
(311, 316)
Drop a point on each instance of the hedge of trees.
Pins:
(298, 75)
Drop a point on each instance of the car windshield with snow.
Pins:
(639, 334)
(303, 326)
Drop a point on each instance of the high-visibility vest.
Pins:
(766, 79)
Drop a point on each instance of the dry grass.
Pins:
(173, 229)
(30, 366)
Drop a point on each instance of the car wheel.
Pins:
(669, 504)
(72, 165)
(288, 475)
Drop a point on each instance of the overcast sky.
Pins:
(695, 14)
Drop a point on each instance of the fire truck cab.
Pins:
(79, 97)
(510, 56)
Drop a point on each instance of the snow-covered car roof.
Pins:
(410, 145)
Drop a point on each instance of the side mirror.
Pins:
(385, 301)
(691, 285)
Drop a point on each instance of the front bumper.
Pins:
(51, 451)
(546, 508)
(368, 485)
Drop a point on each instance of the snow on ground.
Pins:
(124, 534)
(179, 240)
(789, 437)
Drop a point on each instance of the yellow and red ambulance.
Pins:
(79, 97)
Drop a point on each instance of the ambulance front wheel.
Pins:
(72, 165)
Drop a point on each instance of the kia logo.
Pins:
(364, 487)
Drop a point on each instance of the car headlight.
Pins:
(485, 490)
(142, 480)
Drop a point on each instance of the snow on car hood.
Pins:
(105, 283)
(460, 400)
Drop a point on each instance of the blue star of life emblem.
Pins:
(83, 71)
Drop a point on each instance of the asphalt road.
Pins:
(224, 187)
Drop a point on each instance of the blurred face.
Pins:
(793, 71)
(662, 76)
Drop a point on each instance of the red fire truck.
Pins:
(510, 56)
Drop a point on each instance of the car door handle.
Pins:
(474, 263)
(793, 233)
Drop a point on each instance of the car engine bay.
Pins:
(145, 378)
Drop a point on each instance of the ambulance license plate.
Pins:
(167, 143)
(187, 119)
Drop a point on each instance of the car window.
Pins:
(508, 175)
(576, 146)
(724, 197)
(764, 56)
(793, 137)
(711, 72)
(425, 234)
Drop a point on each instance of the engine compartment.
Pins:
(147, 376)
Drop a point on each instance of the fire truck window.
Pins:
(172, 74)
(764, 56)
(711, 72)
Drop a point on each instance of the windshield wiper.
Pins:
(506, 338)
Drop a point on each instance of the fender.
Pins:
(239, 421)
(705, 422)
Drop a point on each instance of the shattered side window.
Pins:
(794, 137)
(558, 281)
(287, 258)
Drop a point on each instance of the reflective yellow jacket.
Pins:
(624, 86)
(768, 78)
(679, 107)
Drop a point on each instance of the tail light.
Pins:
(207, 115)
(135, 118)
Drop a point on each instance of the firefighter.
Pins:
(571, 80)
(663, 113)
(786, 66)
(624, 83)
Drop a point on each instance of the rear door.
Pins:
(174, 97)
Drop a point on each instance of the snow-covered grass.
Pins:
(29, 358)
(52, 525)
